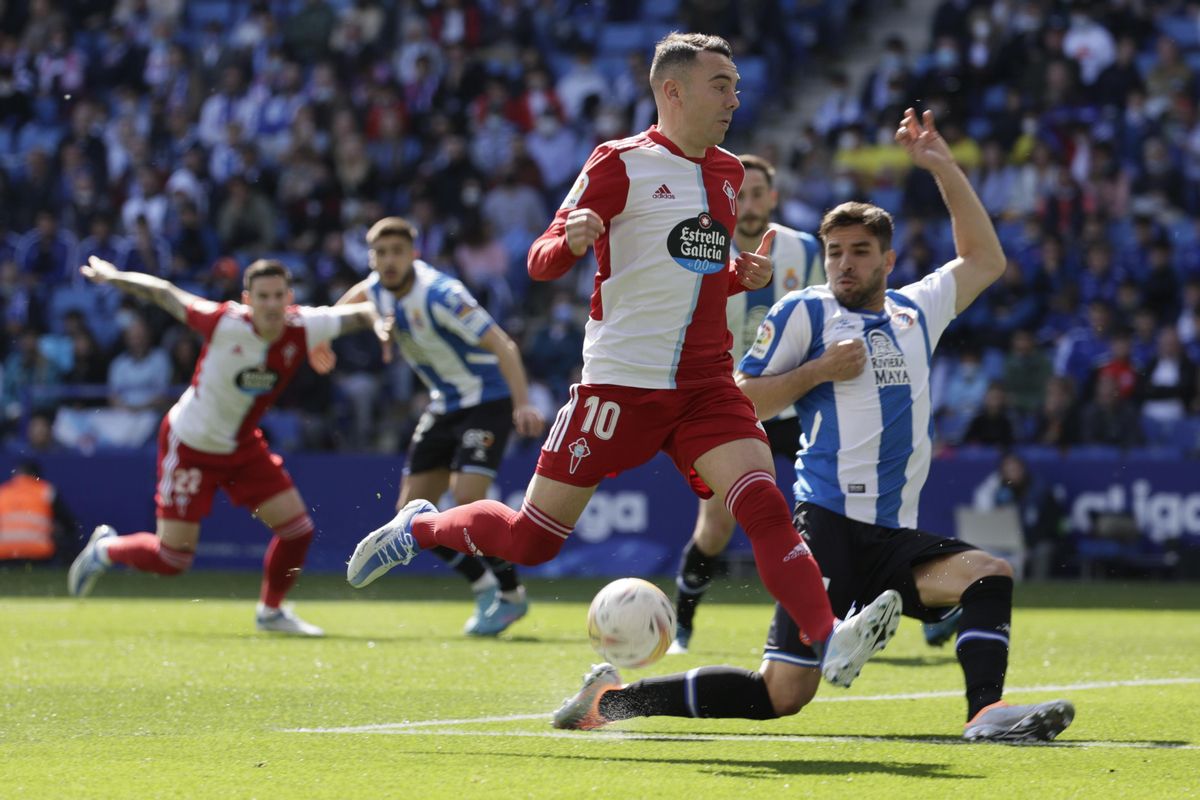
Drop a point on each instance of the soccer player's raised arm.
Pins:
(164, 294)
(598, 195)
(980, 258)
(321, 356)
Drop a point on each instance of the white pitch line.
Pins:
(420, 726)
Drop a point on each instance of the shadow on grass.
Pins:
(733, 767)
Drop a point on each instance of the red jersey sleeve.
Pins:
(203, 316)
(603, 187)
(735, 285)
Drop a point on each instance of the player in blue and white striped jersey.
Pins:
(478, 395)
(796, 257)
(853, 359)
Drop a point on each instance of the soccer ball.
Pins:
(631, 623)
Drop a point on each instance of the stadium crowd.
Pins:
(186, 139)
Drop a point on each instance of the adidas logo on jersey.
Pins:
(663, 193)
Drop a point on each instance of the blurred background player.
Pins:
(478, 395)
(659, 208)
(863, 460)
(796, 257)
(210, 438)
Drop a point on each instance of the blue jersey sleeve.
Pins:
(456, 310)
(784, 338)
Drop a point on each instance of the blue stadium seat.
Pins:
(202, 12)
(284, 429)
(1183, 30)
(664, 10)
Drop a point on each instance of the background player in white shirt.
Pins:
(479, 394)
(796, 258)
(659, 209)
(853, 358)
(210, 438)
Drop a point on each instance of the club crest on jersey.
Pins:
(731, 193)
(700, 244)
(573, 196)
(887, 361)
(902, 318)
(762, 342)
(256, 380)
(790, 281)
(289, 353)
(579, 450)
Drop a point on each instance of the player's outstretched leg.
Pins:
(714, 527)
(281, 569)
(1039, 722)
(859, 636)
(391, 545)
(91, 563)
(581, 712)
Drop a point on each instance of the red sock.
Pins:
(285, 558)
(784, 562)
(487, 527)
(145, 552)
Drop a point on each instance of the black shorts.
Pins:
(469, 440)
(859, 561)
(784, 436)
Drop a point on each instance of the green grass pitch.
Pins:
(161, 688)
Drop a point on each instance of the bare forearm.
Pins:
(356, 317)
(513, 371)
(974, 235)
(161, 293)
(773, 393)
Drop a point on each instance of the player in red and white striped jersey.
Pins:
(210, 438)
(659, 209)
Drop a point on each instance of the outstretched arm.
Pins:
(980, 257)
(164, 294)
(322, 358)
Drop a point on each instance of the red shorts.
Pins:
(603, 430)
(188, 479)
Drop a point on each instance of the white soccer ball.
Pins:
(631, 623)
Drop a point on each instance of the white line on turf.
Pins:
(423, 727)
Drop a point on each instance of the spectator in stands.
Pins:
(46, 252)
(89, 368)
(1119, 78)
(1038, 507)
(35, 524)
(993, 424)
(1027, 371)
(1169, 381)
(1120, 368)
(245, 222)
(30, 378)
(553, 354)
(964, 392)
(1057, 424)
(39, 433)
(139, 378)
(1086, 347)
(1109, 420)
(1160, 287)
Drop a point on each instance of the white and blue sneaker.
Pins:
(683, 638)
(483, 601)
(389, 546)
(90, 564)
(283, 620)
(858, 637)
(497, 617)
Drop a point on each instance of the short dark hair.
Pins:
(751, 161)
(680, 49)
(391, 226)
(871, 217)
(265, 268)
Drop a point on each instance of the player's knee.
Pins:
(174, 562)
(992, 565)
